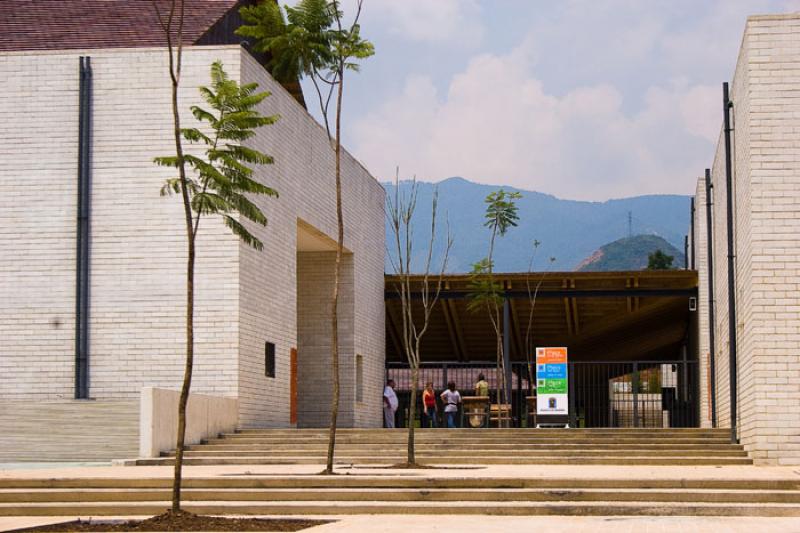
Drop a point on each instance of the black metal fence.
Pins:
(652, 394)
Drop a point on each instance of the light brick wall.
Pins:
(765, 92)
(137, 241)
(244, 297)
(700, 245)
(314, 290)
(303, 174)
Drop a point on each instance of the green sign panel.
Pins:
(551, 386)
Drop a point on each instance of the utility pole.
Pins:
(630, 224)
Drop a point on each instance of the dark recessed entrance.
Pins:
(630, 336)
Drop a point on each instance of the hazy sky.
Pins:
(583, 99)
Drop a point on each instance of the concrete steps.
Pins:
(68, 430)
(470, 447)
(342, 495)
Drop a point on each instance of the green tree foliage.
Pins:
(658, 260)
(485, 292)
(299, 43)
(501, 211)
(222, 178)
(217, 183)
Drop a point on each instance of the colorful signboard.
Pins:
(551, 381)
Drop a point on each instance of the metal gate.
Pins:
(601, 394)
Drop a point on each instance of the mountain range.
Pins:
(567, 230)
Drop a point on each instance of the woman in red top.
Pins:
(428, 417)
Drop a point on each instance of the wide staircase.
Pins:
(470, 447)
(405, 493)
(464, 481)
(68, 431)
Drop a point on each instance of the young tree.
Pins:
(400, 214)
(313, 41)
(501, 215)
(532, 294)
(658, 260)
(215, 184)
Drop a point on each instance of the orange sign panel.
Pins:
(551, 356)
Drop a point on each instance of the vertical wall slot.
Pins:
(269, 359)
(83, 226)
(359, 378)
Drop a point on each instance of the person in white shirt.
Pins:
(389, 404)
(451, 399)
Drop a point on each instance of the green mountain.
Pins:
(629, 253)
(568, 230)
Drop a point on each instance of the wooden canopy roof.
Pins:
(602, 316)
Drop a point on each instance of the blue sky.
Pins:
(583, 99)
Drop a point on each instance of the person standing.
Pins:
(481, 387)
(429, 406)
(451, 399)
(389, 404)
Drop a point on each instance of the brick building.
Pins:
(765, 174)
(249, 303)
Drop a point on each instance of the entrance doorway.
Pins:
(646, 394)
(316, 258)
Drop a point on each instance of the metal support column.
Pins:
(635, 391)
(712, 324)
(727, 105)
(507, 347)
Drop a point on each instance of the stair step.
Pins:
(646, 460)
(556, 494)
(594, 508)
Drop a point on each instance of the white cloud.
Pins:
(497, 124)
(434, 21)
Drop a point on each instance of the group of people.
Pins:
(450, 397)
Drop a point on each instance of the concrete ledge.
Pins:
(158, 421)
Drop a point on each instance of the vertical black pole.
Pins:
(727, 105)
(712, 326)
(692, 240)
(82, 238)
(686, 252)
(507, 347)
(635, 391)
(573, 422)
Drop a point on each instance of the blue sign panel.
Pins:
(551, 371)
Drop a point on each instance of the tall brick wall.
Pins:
(700, 250)
(303, 174)
(137, 241)
(314, 289)
(244, 297)
(766, 191)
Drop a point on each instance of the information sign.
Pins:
(551, 381)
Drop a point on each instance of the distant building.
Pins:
(765, 160)
(254, 309)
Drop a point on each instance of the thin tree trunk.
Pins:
(412, 408)
(187, 379)
(175, 74)
(336, 279)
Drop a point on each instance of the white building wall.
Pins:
(766, 161)
(303, 174)
(700, 248)
(137, 309)
(137, 290)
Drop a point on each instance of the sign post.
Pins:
(552, 390)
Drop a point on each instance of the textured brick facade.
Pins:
(244, 298)
(766, 159)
